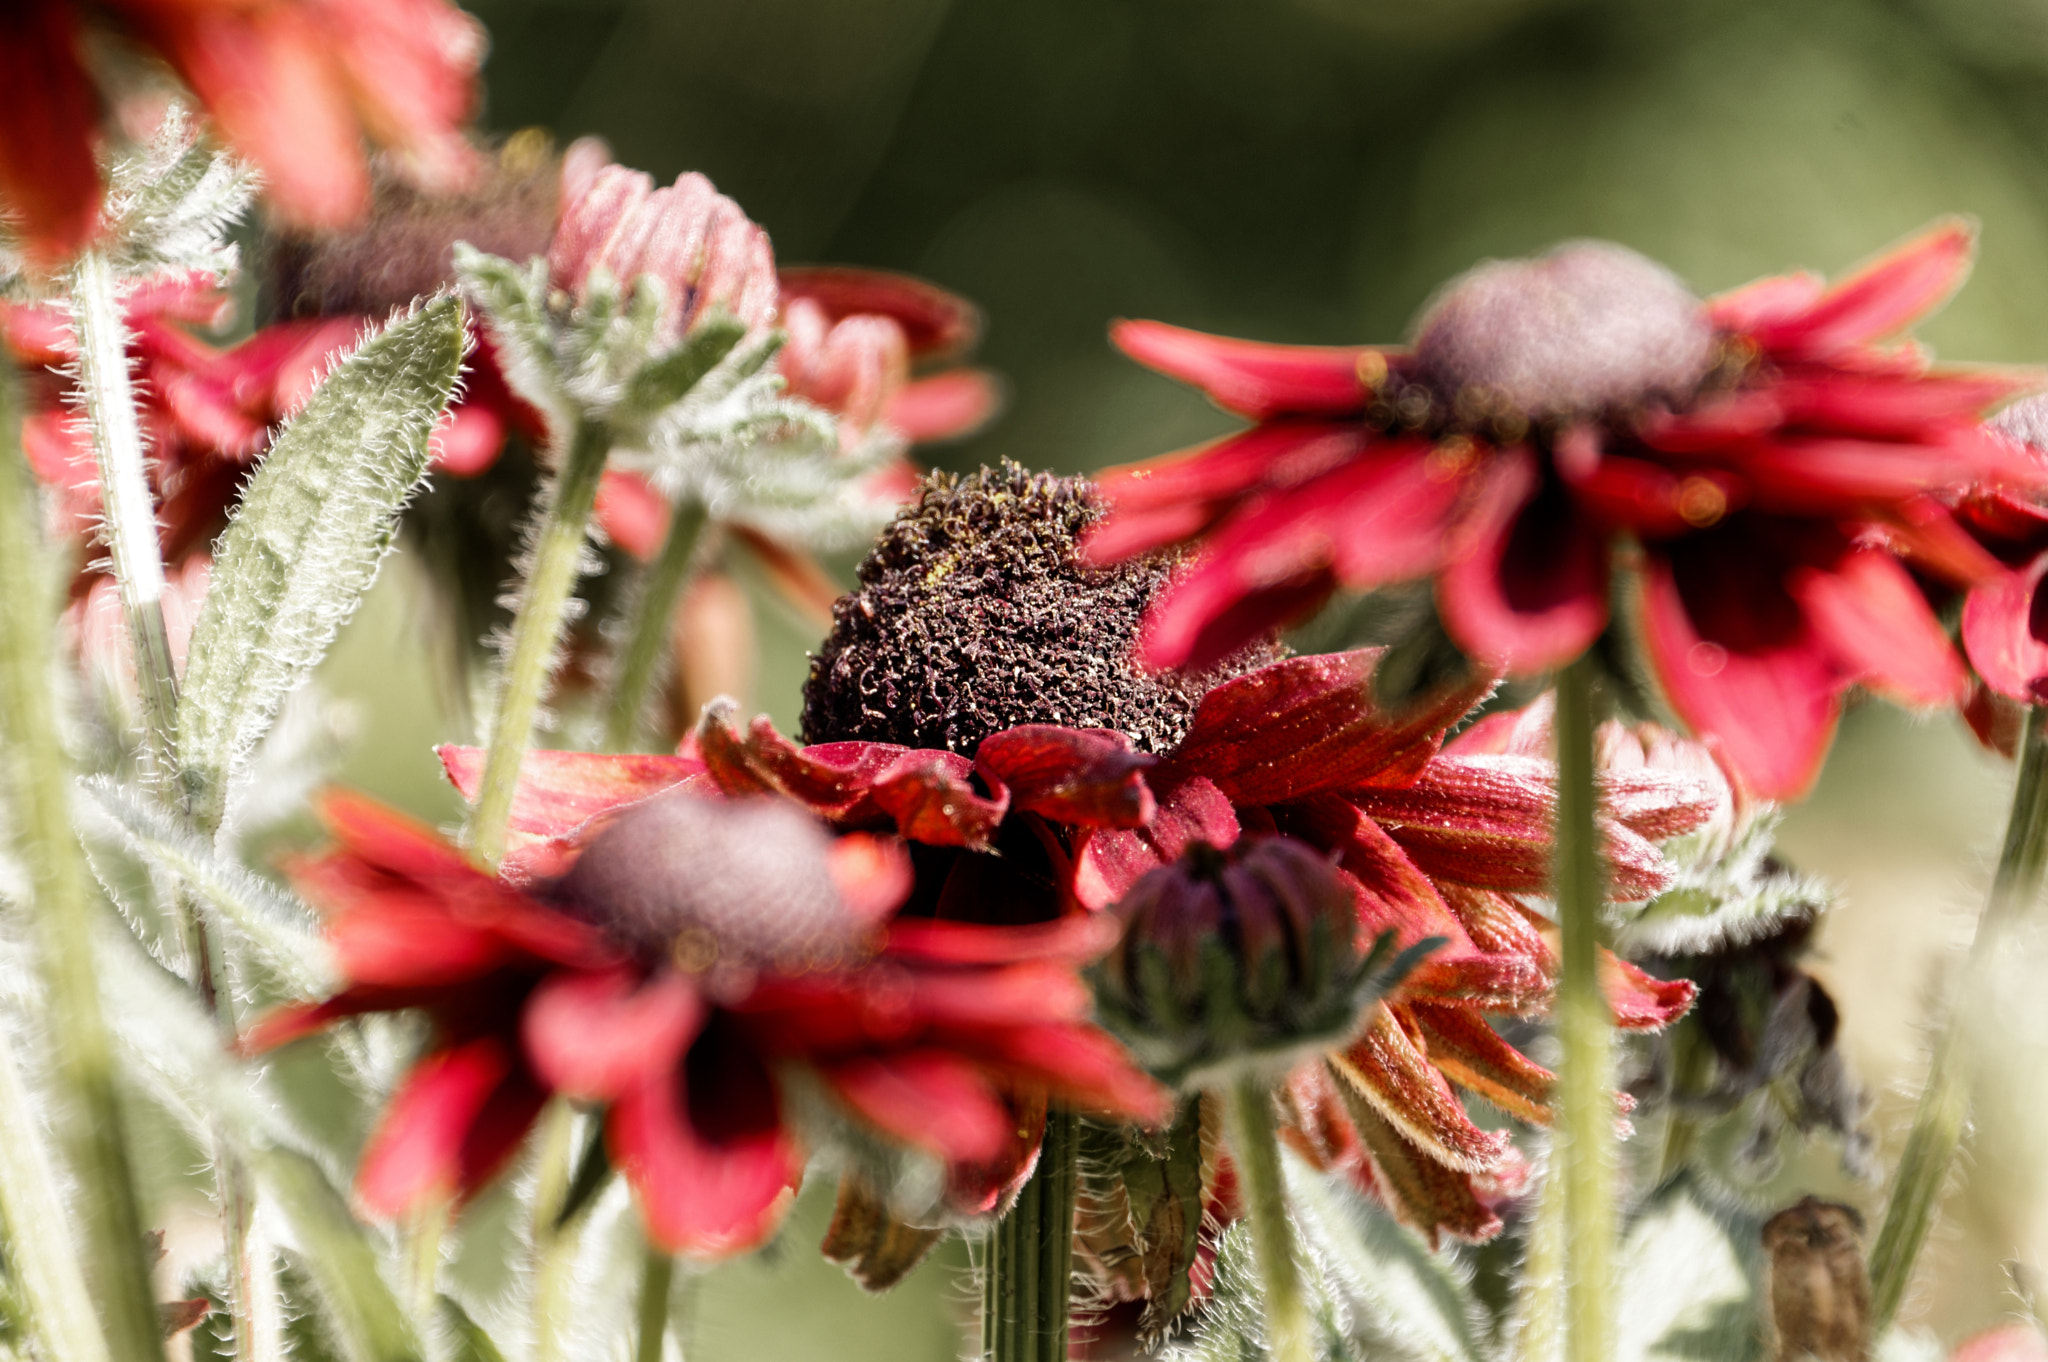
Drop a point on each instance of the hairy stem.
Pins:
(1249, 1113)
(88, 1116)
(653, 616)
(1945, 1100)
(537, 632)
(1031, 1256)
(658, 1274)
(554, 1243)
(1584, 1156)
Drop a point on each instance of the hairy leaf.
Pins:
(306, 540)
(357, 1302)
(169, 207)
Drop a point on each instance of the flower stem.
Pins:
(653, 617)
(553, 1244)
(1585, 1097)
(1031, 1256)
(88, 1115)
(536, 632)
(1249, 1112)
(657, 1276)
(1945, 1100)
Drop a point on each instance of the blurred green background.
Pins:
(1308, 170)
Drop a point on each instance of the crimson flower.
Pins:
(1776, 455)
(2005, 623)
(683, 957)
(294, 86)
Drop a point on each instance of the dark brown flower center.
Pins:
(972, 616)
(707, 881)
(1587, 328)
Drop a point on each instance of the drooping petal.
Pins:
(1089, 777)
(1389, 1069)
(1190, 809)
(1253, 378)
(706, 1151)
(1309, 724)
(1529, 590)
(1640, 1002)
(1473, 1055)
(560, 791)
(2005, 629)
(593, 1036)
(988, 1188)
(48, 177)
(925, 1097)
(1395, 893)
(416, 1152)
(931, 797)
(1880, 627)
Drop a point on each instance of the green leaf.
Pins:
(306, 540)
(512, 299)
(668, 378)
(472, 1344)
(368, 1323)
(170, 206)
(1685, 1292)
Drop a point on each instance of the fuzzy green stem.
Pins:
(1255, 1150)
(554, 1243)
(1537, 1326)
(1031, 1256)
(1584, 1156)
(653, 616)
(536, 633)
(1944, 1109)
(89, 1120)
(657, 1276)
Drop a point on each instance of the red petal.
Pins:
(593, 1036)
(1422, 1193)
(47, 173)
(1881, 628)
(1889, 407)
(1473, 1055)
(1882, 298)
(2005, 644)
(1273, 455)
(935, 323)
(1190, 810)
(1767, 696)
(468, 440)
(560, 791)
(1090, 777)
(1395, 894)
(989, 1187)
(948, 406)
(1309, 724)
(1252, 378)
(872, 874)
(931, 797)
(1388, 1068)
(712, 1191)
(633, 514)
(416, 1151)
(1639, 1002)
(1530, 591)
(927, 1098)
(1075, 938)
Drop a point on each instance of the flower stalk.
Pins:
(1944, 1107)
(1031, 1256)
(653, 613)
(1585, 1159)
(536, 633)
(1249, 1110)
(89, 1118)
(657, 1276)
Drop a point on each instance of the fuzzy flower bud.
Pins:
(695, 240)
(1586, 328)
(1245, 956)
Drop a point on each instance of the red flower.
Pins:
(1774, 452)
(2003, 620)
(683, 956)
(294, 86)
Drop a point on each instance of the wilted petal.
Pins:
(1388, 1067)
(929, 1098)
(1090, 777)
(931, 797)
(593, 1036)
(1253, 378)
(1640, 1002)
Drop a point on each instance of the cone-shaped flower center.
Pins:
(1586, 328)
(973, 617)
(710, 881)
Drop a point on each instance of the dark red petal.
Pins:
(1529, 590)
(1389, 1069)
(1882, 298)
(1394, 892)
(714, 1181)
(1078, 1063)
(1076, 938)
(2007, 645)
(1204, 618)
(935, 323)
(988, 1188)
(560, 791)
(1767, 697)
(1190, 809)
(594, 1035)
(1473, 1055)
(499, 1129)
(1271, 456)
(47, 173)
(1091, 777)
(1309, 724)
(1253, 378)
(1880, 627)
(416, 1151)
(931, 797)
(928, 1098)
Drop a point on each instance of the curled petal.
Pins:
(2006, 634)
(593, 1036)
(1090, 777)
(1422, 1193)
(1389, 1069)
(931, 797)
(1640, 1002)
(1473, 1055)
